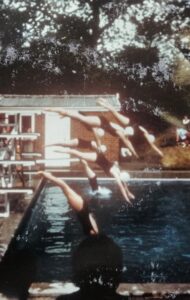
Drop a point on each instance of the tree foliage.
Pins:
(95, 46)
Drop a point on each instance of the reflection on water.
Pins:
(153, 234)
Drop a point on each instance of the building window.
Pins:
(27, 123)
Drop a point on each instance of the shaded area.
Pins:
(95, 47)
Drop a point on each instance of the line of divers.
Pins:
(98, 125)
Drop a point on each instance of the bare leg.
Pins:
(89, 156)
(89, 172)
(69, 143)
(91, 176)
(121, 118)
(74, 199)
(75, 143)
(92, 121)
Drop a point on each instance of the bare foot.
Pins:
(131, 196)
(129, 201)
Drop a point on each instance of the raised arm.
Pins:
(125, 192)
(150, 139)
(127, 143)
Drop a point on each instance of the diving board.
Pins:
(56, 160)
(7, 124)
(16, 190)
(28, 136)
(33, 154)
(26, 163)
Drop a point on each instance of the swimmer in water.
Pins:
(107, 166)
(77, 203)
(151, 139)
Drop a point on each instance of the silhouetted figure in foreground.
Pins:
(97, 269)
(17, 272)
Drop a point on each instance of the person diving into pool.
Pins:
(92, 178)
(151, 141)
(91, 175)
(77, 203)
(124, 121)
(98, 125)
(93, 181)
(110, 168)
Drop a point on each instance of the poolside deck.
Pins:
(147, 291)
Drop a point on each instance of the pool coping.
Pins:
(135, 290)
(133, 173)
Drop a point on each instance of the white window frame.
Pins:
(32, 115)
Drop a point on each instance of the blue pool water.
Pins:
(154, 234)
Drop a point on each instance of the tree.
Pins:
(95, 46)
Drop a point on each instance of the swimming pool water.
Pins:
(153, 234)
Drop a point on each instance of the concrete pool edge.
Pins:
(134, 290)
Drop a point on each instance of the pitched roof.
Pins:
(39, 102)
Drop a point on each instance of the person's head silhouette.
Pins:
(97, 265)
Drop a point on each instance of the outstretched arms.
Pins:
(123, 188)
(150, 139)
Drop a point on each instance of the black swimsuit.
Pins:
(93, 183)
(104, 124)
(104, 163)
(83, 216)
(84, 143)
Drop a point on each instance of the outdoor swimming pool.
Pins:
(153, 234)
